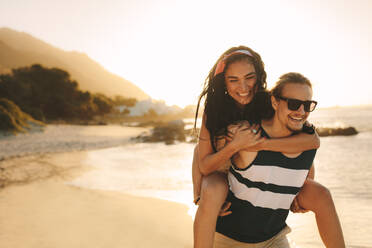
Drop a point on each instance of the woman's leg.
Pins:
(213, 195)
(317, 198)
(196, 175)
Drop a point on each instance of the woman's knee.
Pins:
(195, 159)
(317, 195)
(196, 151)
(214, 188)
(324, 194)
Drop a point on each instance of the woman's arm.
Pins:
(292, 144)
(210, 161)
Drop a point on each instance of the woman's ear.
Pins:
(274, 102)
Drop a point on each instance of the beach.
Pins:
(39, 209)
(49, 213)
(91, 186)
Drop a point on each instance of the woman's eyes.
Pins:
(233, 80)
(250, 77)
(247, 78)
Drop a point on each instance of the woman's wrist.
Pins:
(262, 145)
(232, 147)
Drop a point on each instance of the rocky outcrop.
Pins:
(165, 132)
(328, 131)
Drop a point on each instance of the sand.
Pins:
(51, 214)
(38, 208)
(47, 212)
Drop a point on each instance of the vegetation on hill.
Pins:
(13, 119)
(50, 94)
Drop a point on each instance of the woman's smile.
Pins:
(240, 80)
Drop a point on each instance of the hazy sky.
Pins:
(167, 47)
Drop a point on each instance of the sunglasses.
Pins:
(295, 104)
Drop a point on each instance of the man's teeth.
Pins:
(296, 118)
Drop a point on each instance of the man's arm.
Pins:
(311, 173)
(292, 144)
(210, 161)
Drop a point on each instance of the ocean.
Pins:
(343, 164)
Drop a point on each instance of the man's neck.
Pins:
(275, 129)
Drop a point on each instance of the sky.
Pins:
(167, 47)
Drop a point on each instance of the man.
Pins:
(262, 185)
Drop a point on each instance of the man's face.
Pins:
(293, 120)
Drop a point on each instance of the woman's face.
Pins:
(240, 80)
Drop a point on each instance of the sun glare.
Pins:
(167, 47)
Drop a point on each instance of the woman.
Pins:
(230, 87)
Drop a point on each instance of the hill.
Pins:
(20, 49)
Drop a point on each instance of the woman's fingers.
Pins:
(255, 127)
(256, 138)
(242, 129)
(258, 134)
(243, 124)
(247, 137)
(232, 128)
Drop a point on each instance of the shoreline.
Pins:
(41, 209)
(57, 138)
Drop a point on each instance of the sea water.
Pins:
(343, 164)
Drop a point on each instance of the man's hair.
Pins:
(291, 77)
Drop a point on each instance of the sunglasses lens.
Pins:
(307, 106)
(311, 106)
(293, 104)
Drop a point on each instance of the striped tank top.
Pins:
(261, 195)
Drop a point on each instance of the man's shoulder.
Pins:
(272, 157)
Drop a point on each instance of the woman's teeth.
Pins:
(243, 94)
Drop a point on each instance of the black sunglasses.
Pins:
(294, 104)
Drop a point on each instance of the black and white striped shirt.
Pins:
(261, 195)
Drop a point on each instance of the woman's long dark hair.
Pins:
(220, 108)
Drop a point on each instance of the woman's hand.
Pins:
(245, 136)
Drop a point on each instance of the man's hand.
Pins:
(225, 209)
(296, 208)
